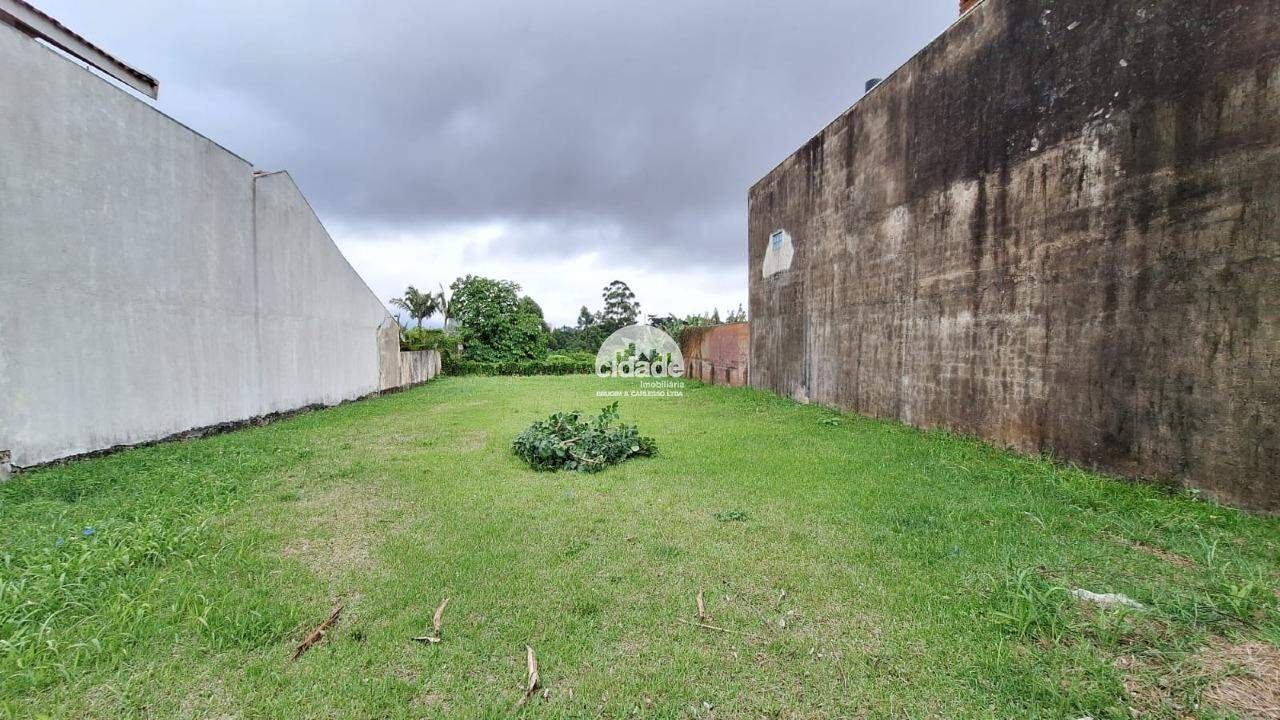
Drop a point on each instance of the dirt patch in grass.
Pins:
(1242, 678)
(393, 441)
(432, 699)
(1169, 557)
(208, 699)
(1172, 558)
(473, 440)
(1148, 692)
(99, 701)
(1250, 678)
(337, 530)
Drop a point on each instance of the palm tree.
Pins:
(442, 305)
(419, 305)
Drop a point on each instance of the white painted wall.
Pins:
(318, 321)
(136, 298)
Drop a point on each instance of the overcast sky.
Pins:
(558, 143)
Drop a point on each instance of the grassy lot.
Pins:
(864, 569)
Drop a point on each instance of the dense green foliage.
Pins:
(568, 441)
(573, 355)
(674, 326)
(445, 342)
(571, 364)
(503, 332)
(495, 323)
(587, 336)
(592, 329)
(427, 338)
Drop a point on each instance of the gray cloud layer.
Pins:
(638, 123)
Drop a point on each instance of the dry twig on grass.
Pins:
(319, 633)
(703, 617)
(717, 628)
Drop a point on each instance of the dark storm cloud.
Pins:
(648, 121)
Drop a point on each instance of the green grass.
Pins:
(866, 569)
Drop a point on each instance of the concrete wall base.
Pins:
(7, 470)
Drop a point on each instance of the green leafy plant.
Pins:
(1245, 599)
(568, 441)
(725, 516)
(445, 341)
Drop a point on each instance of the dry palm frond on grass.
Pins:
(437, 622)
(534, 682)
(319, 633)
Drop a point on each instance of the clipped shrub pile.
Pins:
(568, 441)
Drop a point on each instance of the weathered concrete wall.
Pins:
(418, 366)
(716, 354)
(388, 354)
(1058, 228)
(151, 284)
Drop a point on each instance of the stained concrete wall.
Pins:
(418, 366)
(1058, 228)
(716, 354)
(389, 354)
(150, 283)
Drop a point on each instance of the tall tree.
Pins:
(532, 329)
(620, 307)
(442, 301)
(495, 322)
(418, 304)
(585, 319)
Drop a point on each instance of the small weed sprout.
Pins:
(725, 516)
(567, 441)
(1029, 606)
(1110, 627)
(1247, 600)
